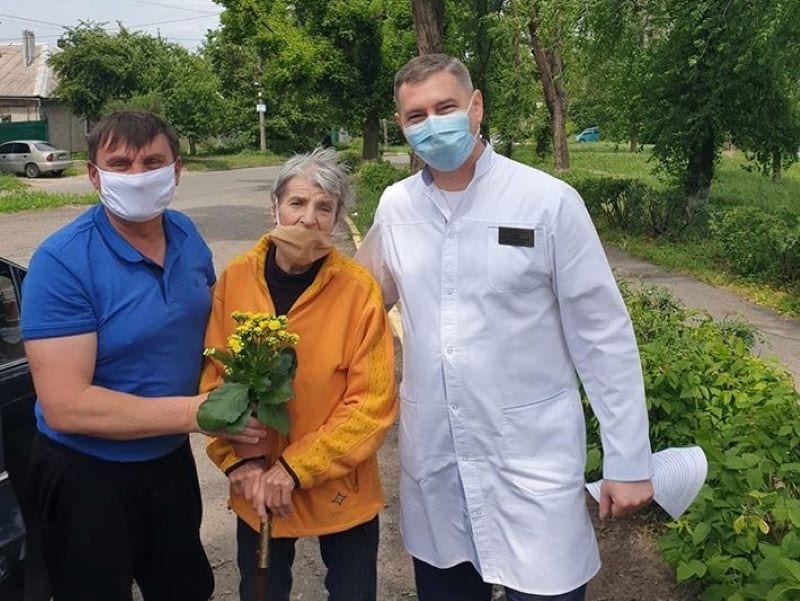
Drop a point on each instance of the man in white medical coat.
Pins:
(506, 294)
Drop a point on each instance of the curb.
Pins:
(394, 314)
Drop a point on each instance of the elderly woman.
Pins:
(324, 481)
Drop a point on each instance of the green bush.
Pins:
(371, 179)
(758, 244)
(739, 540)
(351, 157)
(632, 206)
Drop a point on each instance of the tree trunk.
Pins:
(483, 53)
(192, 146)
(777, 165)
(700, 173)
(429, 25)
(634, 143)
(550, 65)
(371, 137)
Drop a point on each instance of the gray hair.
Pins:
(421, 67)
(320, 167)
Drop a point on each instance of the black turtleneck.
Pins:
(286, 288)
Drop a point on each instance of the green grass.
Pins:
(24, 199)
(733, 185)
(697, 260)
(10, 183)
(222, 162)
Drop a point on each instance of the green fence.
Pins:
(23, 130)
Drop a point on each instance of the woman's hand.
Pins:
(274, 493)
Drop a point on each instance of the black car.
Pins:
(22, 575)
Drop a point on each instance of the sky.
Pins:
(182, 21)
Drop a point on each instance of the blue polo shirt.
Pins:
(150, 322)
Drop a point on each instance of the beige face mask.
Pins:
(300, 246)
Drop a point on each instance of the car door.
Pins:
(22, 155)
(6, 156)
(21, 568)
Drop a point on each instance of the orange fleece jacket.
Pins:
(345, 398)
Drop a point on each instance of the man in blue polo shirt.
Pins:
(114, 312)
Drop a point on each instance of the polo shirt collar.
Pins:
(122, 248)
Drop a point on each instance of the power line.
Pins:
(172, 21)
(26, 20)
(194, 10)
(59, 25)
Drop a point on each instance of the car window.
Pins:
(22, 148)
(11, 348)
(44, 146)
(6, 148)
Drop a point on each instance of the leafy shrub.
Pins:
(634, 207)
(757, 244)
(371, 180)
(351, 157)
(740, 539)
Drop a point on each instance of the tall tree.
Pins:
(547, 44)
(94, 67)
(429, 25)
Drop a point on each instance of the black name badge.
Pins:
(514, 236)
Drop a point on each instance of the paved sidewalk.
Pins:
(782, 334)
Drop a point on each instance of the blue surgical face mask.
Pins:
(443, 142)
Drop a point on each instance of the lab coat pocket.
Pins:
(544, 443)
(515, 267)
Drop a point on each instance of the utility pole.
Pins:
(262, 109)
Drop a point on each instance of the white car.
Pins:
(33, 157)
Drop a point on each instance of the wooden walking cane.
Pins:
(262, 566)
(262, 559)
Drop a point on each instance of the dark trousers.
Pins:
(350, 557)
(463, 583)
(106, 524)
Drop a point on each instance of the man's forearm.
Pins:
(97, 411)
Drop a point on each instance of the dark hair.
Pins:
(131, 128)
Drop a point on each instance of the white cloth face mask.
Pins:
(137, 197)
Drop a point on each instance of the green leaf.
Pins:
(239, 424)
(777, 593)
(223, 407)
(691, 569)
(262, 385)
(791, 569)
(701, 532)
(275, 416)
(279, 394)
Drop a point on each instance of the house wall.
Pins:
(67, 131)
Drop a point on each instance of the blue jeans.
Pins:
(463, 583)
(350, 556)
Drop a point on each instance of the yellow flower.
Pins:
(274, 324)
(209, 352)
(235, 344)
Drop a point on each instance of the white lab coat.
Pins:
(492, 434)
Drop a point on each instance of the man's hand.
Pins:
(275, 493)
(253, 431)
(246, 478)
(620, 498)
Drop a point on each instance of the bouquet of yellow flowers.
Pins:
(259, 365)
